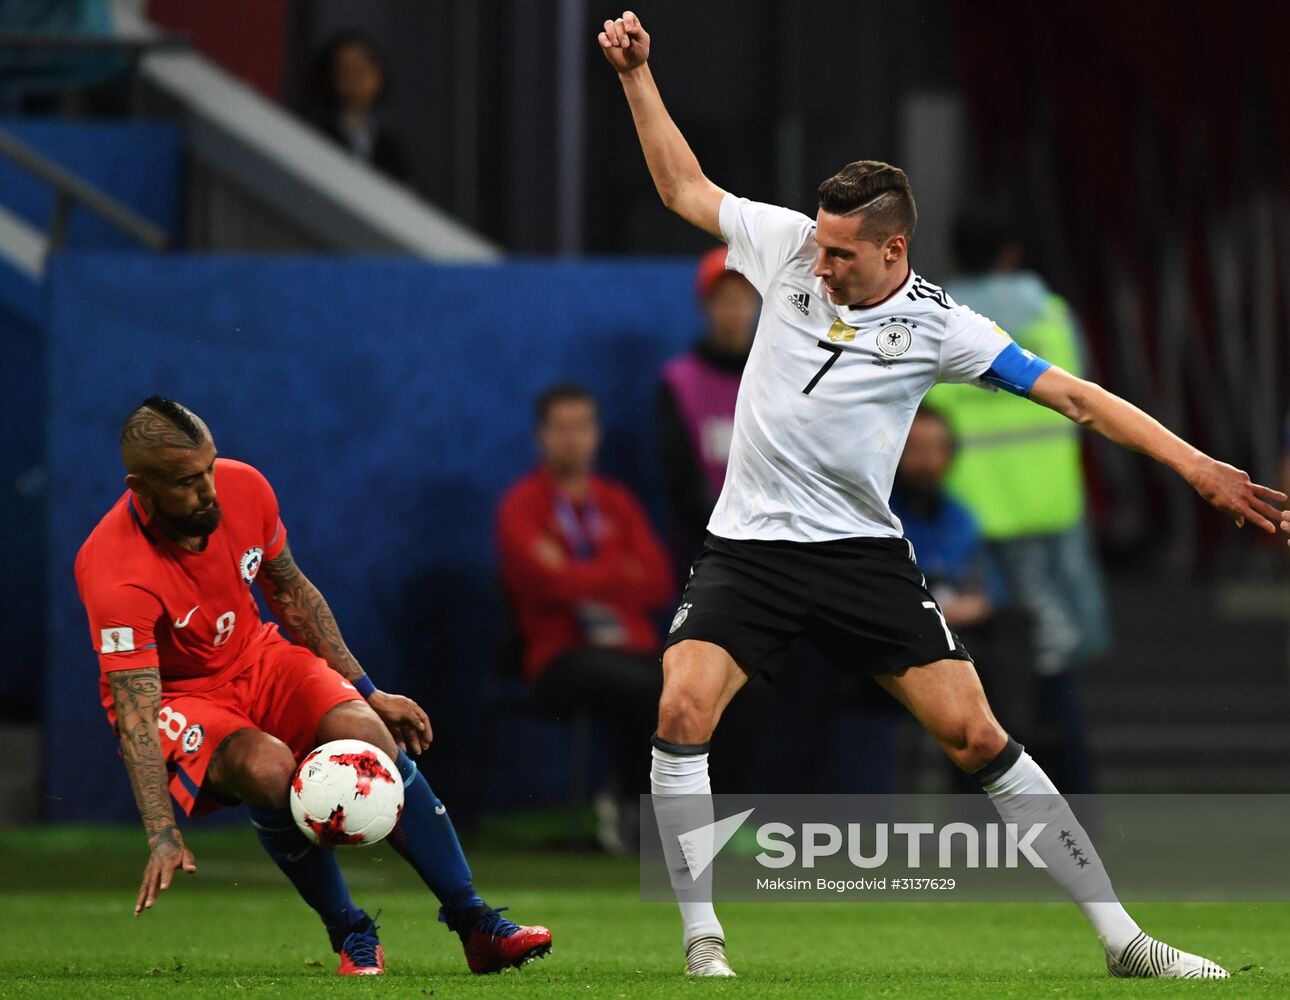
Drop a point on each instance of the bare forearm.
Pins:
(672, 164)
(306, 616)
(304, 613)
(1116, 419)
(1224, 487)
(136, 695)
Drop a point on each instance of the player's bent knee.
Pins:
(355, 720)
(254, 768)
(977, 744)
(271, 778)
(685, 716)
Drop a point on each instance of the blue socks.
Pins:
(426, 838)
(311, 869)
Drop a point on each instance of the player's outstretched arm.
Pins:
(136, 695)
(305, 614)
(1222, 486)
(677, 176)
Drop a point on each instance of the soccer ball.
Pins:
(346, 792)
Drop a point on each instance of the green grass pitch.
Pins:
(236, 928)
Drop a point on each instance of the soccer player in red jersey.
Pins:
(214, 706)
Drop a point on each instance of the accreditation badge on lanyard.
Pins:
(601, 625)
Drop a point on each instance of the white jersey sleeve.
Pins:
(761, 238)
(971, 344)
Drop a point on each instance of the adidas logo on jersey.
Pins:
(801, 301)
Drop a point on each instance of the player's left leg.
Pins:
(426, 838)
(424, 835)
(946, 697)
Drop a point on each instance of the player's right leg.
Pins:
(699, 680)
(253, 767)
(743, 606)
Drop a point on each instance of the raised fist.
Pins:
(625, 42)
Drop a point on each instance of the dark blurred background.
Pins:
(180, 211)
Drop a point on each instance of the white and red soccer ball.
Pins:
(346, 792)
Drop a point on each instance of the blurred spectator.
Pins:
(350, 83)
(952, 556)
(947, 542)
(583, 571)
(1019, 471)
(696, 408)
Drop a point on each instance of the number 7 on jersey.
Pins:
(835, 352)
(940, 616)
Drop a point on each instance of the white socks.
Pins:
(1024, 795)
(670, 776)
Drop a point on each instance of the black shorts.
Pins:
(862, 602)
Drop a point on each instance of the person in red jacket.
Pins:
(583, 571)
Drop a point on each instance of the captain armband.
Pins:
(1015, 370)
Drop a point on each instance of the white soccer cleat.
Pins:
(706, 956)
(1147, 958)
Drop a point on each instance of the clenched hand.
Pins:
(625, 42)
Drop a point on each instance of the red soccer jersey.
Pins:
(152, 603)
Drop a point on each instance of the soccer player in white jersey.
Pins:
(802, 542)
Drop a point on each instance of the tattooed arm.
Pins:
(304, 613)
(136, 695)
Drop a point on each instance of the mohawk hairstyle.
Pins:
(178, 414)
(160, 421)
(878, 192)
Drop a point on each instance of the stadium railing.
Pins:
(25, 247)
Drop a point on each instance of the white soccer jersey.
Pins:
(830, 391)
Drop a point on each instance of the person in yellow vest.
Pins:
(1018, 469)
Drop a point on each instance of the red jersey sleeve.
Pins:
(123, 622)
(275, 532)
